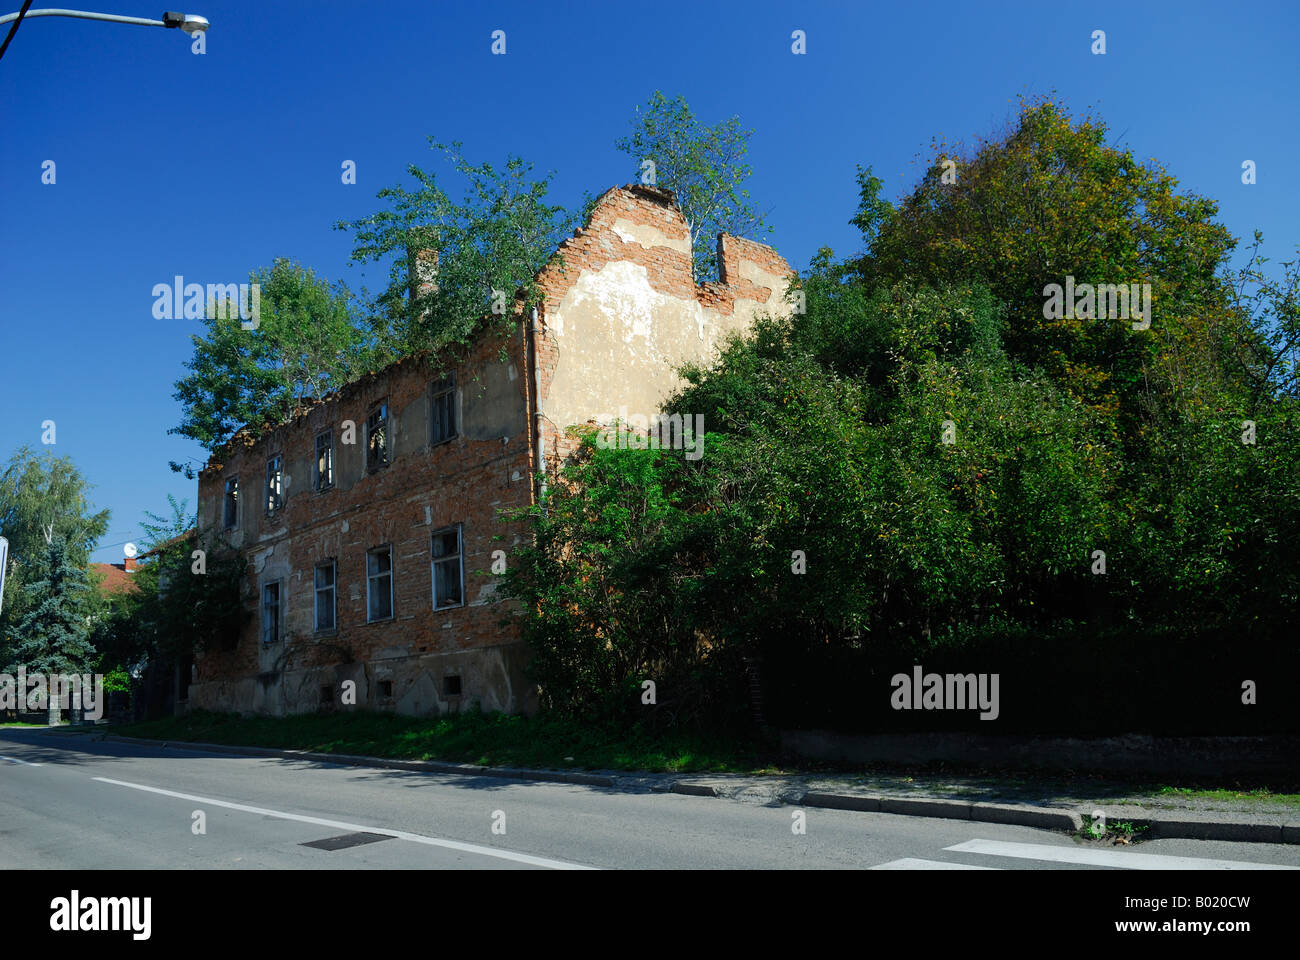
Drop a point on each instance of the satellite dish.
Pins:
(129, 550)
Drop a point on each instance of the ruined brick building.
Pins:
(370, 521)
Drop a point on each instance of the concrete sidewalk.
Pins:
(1046, 803)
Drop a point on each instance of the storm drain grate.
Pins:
(347, 840)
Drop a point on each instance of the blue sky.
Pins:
(168, 162)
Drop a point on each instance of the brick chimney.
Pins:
(423, 272)
(129, 564)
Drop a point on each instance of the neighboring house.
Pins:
(370, 521)
(115, 578)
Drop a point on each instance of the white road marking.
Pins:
(913, 863)
(358, 828)
(1105, 858)
(25, 763)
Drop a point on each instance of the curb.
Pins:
(694, 789)
(1044, 818)
(349, 760)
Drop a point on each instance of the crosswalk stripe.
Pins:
(914, 863)
(1104, 858)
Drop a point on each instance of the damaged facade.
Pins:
(370, 522)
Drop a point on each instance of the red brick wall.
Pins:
(467, 480)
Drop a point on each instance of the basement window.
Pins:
(326, 695)
(384, 689)
(377, 437)
(451, 686)
(231, 512)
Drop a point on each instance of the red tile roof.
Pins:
(116, 579)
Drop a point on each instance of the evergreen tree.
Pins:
(53, 635)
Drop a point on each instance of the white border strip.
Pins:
(1105, 858)
(358, 828)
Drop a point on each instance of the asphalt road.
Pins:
(68, 802)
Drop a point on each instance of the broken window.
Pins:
(231, 514)
(377, 437)
(442, 410)
(326, 574)
(274, 485)
(379, 584)
(271, 612)
(324, 461)
(448, 573)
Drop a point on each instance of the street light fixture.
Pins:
(188, 22)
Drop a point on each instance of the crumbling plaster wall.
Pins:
(622, 311)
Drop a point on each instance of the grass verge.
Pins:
(490, 739)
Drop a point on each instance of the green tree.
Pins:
(922, 468)
(182, 602)
(1052, 198)
(308, 341)
(52, 635)
(41, 498)
(704, 167)
(489, 245)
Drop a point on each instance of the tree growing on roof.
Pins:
(703, 166)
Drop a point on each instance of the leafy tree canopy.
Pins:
(43, 498)
(489, 245)
(306, 343)
(704, 166)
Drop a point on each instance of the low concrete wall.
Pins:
(1134, 754)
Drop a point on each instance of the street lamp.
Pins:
(188, 22)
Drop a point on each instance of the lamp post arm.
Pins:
(81, 15)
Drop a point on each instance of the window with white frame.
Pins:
(274, 485)
(326, 596)
(448, 570)
(379, 584)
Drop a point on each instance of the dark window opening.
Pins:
(385, 688)
(451, 686)
(326, 695)
(274, 485)
(232, 502)
(377, 438)
(442, 410)
(448, 571)
(325, 581)
(379, 584)
(270, 612)
(324, 461)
